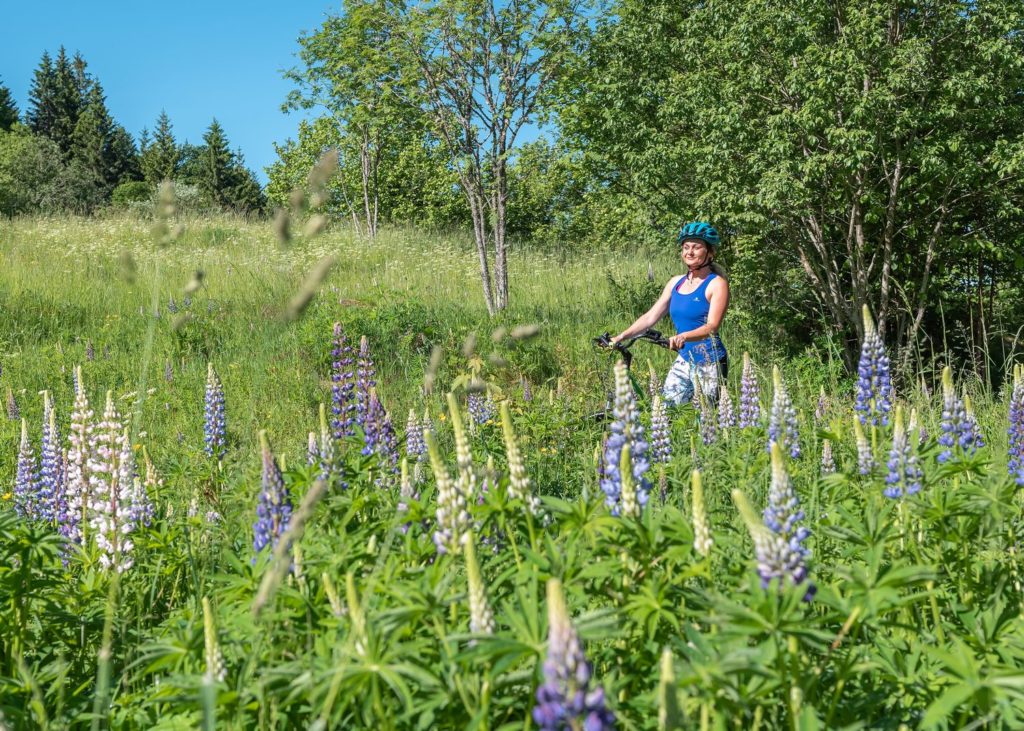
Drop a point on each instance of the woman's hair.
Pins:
(719, 270)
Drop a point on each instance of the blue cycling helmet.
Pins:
(699, 230)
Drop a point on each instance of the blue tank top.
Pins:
(690, 311)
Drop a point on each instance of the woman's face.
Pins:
(695, 253)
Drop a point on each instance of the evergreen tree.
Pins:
(41, 111)
(216, 169)
(91, 151)
(162, 159)
(124, 163)
(57, 98)
(8, 110)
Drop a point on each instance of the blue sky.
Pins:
(197, 60)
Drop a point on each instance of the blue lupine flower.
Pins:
(481, 408)
(13, 412)
(379, 433)
(865, 456)
(706, 411)
(726, 413)
(26, 478)
(527, 391)
(821, 408)
(959, 427)
(172, 306)
(565, 699)
(90, 351)
(1016, 428)
(214, 422)
(343, 386)
(782, 426)
(904, 477)
(750, 395)
(625, 430)
(366, 381)
(874, 383)
(415, 446)
(51, 475)
(274, 509)
(828, 463)
(661, 444)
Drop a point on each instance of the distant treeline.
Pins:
(67, 153)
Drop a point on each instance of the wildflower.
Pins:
(726, 413)
(325, 451)
(215, 670)
(379, 434)
(1016, 429)
(828, 463)
(821, 409)
(778, 556)
(625, 430)
(865, 457)
(366, 380)
(312, 450)
(959, 427)
(518, 480)
(527, 391)
(214, 423)
(452, 517)
(904, 477)
(702, 540)
(111, 490)
(13, 412)
(51, 474)
(874, 383)
(782, 426)
(653, 382)
(750, 395)
(26, 478)
(172, 306)
(708, 427)
(405, 492)
(481, 617)
(274, 509)
(481, 408)
(342, 386)
(661, 444)
(466, 478)
(90, 351)
(168, 371)
(565, 699)
(77, 481)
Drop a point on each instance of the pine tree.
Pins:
(123, 163)
(57, 98)
(8, 110)
(161, 160)
(41, 110)
(216, 174)
(91, 155)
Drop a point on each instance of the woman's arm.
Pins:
(650, 318)
(718, 299)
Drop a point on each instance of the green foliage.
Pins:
(133, 191)
(8, 109)
(161, 159)
(221, 176)
(29, 168)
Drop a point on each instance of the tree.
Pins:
(864, 141)
(8, 109)
(30, 168)
(482, 71)
(57, 97)
(221, 176)
(161, 160)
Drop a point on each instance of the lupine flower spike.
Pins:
(481, 618)
(26, 478)
(708, 426)
(466, 478)
(481, 408)
(326, 452)
(661, 444)
(13, 412)
(214, 422)
(415, 447)
(625, 430)
(215, 670)
(274, 509)
(865, 456)
(78, 484)
(702, 540)
(343, 386)
(527, 390)
(51, 475)
(959, 428)
(653, 382)
(750, 395)
(904, 477)
(821, 409)
(565, 700)
(379, 434)
(726, 413)
(828, 463)
(1016, 428)
(110, 486)
(874, 383)
(452, 518)
(366, 380)
(312, 450)
(518, 480)
(782, 426)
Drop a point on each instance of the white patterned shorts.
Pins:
(679, 388)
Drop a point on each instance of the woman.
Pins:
(697, 302)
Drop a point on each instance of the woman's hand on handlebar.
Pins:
(676, 341)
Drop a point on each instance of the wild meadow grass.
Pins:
(549, 614)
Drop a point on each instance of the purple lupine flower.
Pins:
(527, 390)
(959, 427)
(828, 463)
(26, 478)
(274, 508)
(750, 395)
(782, 426)
(13, 412)
(874, 382)
(865, 456)
(708, 425)
(172, 306)
(971, 438)
(312, 450)
(904, 477)
(1016, 428)
(51, 482)
(726, 413)
(821, 409)
(782, 517)
(343, 386)
(168, 371)
(90, 351)
(481, 408)
(661, 443)
(566, 700)
(111, 490)
(366, 381)
(379, 434)
(625, 430)
(77, 481)
(214, 422)
(415, 447)
(326, 453)
(453, 520)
